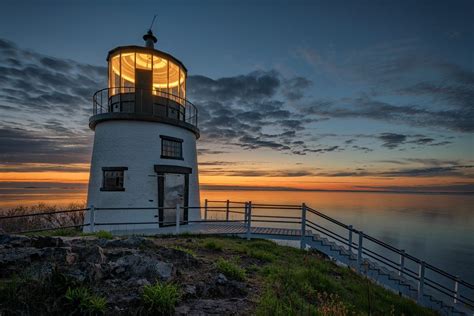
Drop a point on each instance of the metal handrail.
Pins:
(103, 101)
(44, 213)
(392, 264)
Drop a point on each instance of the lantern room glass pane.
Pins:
(173, 80)
(182, 85)
(160, 75)
(143, 61)
(127, 72)
(114, 76)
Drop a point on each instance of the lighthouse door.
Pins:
(172, 191)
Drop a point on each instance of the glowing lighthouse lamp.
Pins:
(144, 160)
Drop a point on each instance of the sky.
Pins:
(306, 95)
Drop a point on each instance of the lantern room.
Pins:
(147, 84)
(144, 68)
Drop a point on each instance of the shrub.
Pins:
(160, 298)
(100, 234)
(84, 302)
(43, 221)
(185, 250)
(213, 245)
(261, 255)
(230, 269)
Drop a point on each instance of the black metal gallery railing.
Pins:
(312, 224)
(147, 102)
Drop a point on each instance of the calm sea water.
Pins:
(436, 228)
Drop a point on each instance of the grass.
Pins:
(188, 251)
(84, 302)
(213, 244)
(100, 234)
(230, 269)
(54, 295)
(160, 298)
(296, 282)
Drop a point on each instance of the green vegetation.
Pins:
(296, 282)
(100, 234)
(53, 295)
(188, 251)
(160, 298)
(213, 244)
(230, 269)
(84, 302)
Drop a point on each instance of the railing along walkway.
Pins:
(391, 267)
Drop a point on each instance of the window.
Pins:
(113, 179)
(171, 148)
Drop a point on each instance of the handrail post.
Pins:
(359, 251)
(245, 212)
(456, 289)
(178, 211)
(421, 280)
(227, 211)
(92, 218)
(402, 262)
(303, 226)
(249, 219)
(205, 209)
(350, 238)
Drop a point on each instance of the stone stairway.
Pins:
(381, 275)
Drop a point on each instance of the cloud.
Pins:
(455, 119)
(391, 140)
(18, 145)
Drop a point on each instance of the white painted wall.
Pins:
(136, 145)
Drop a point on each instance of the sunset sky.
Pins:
(320, 95)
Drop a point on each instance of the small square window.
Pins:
(113, 179)
(171, 148)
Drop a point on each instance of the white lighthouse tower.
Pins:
(144, 161)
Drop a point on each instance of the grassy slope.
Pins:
(295, 282)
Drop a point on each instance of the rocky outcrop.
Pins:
(119, 268)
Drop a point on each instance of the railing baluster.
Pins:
(421, 280)
(249, 219)
(205, 209)
(359, 251)
(227, 211)
(350, 238)
(92, 218)
(456, 289)
(303, 226)
(402, 262)
(178, 211)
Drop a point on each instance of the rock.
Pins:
(142, 266)
(189, 290)
(142, 282)
(95, 272)
(163, 269)
(213, 307)
(19, 256)
(221, 279)
(71, 258)
(46, 241)
(130, 242)
(95, 254)
(15, 240)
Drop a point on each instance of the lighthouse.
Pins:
(144, 160)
